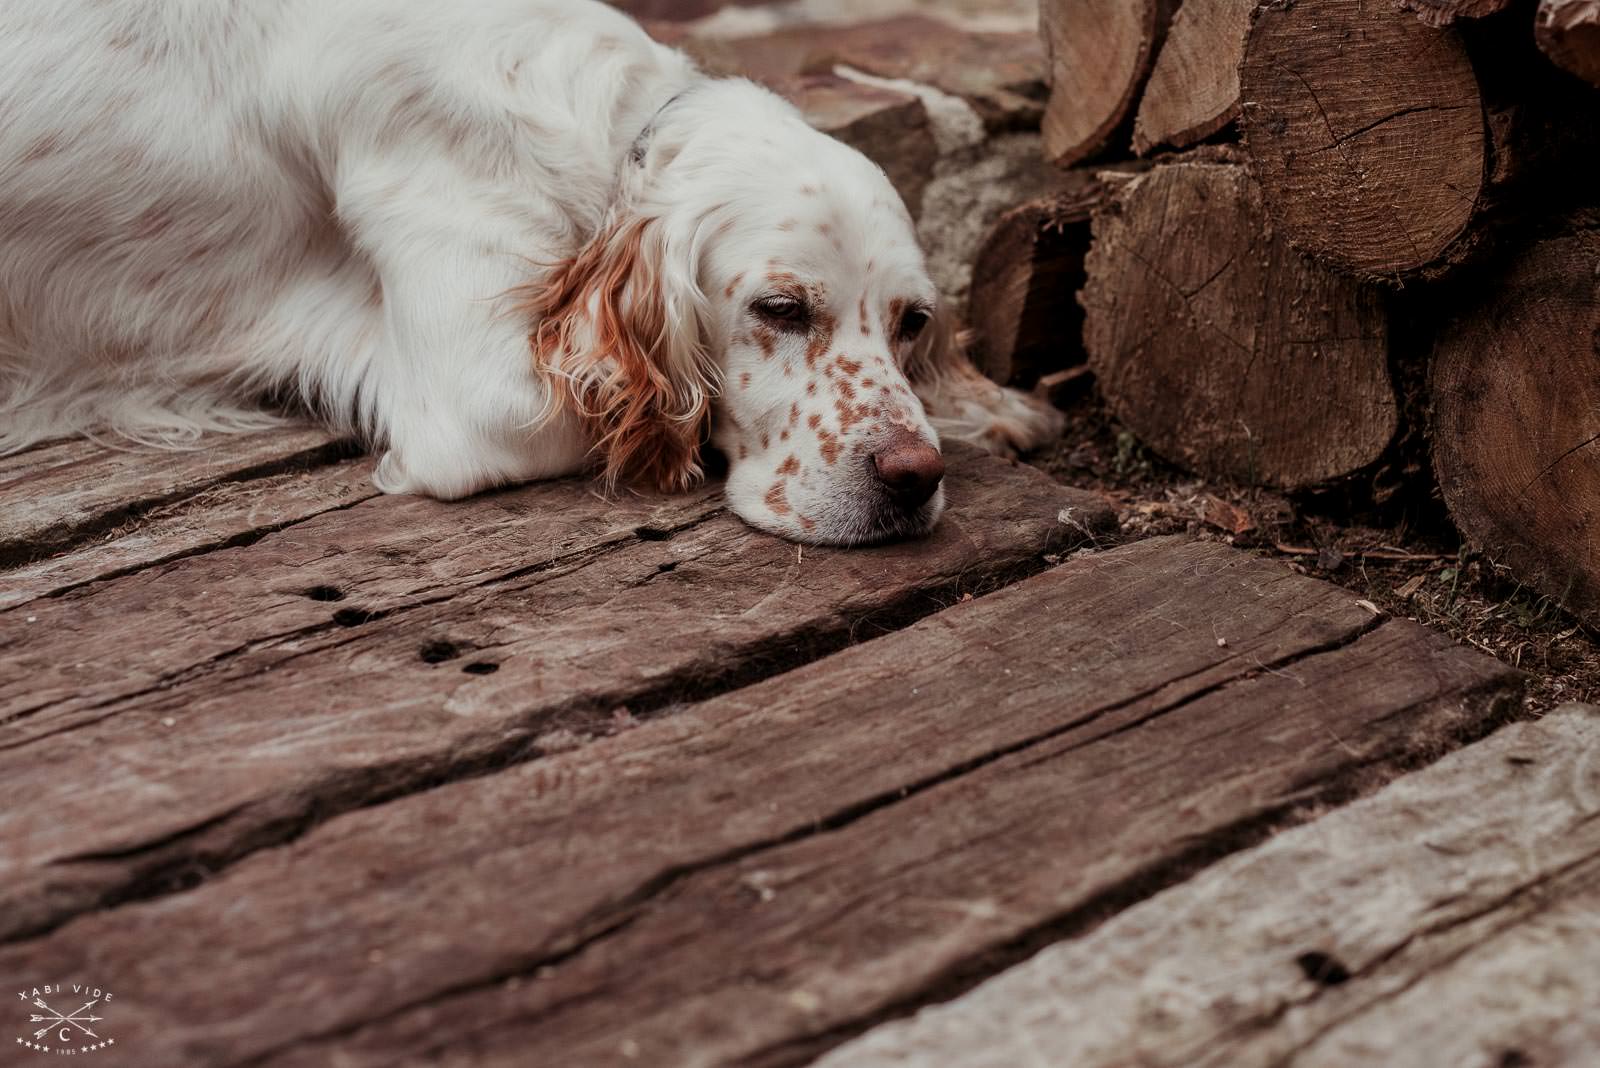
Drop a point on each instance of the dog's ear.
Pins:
(617, 332)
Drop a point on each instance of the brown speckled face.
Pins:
(815, 334)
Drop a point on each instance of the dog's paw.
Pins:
(1003, 421)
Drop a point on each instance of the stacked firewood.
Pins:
(1316, 242)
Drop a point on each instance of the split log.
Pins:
(1569, 33)
(1194, 86)
(1021, 306)
(1099, 53)
(1223, 349)
(1366, 130)
(1444, 12)
(1515, 386)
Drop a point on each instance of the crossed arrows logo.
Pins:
(76, 1018)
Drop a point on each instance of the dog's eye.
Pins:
(913, 323)
(787, 313)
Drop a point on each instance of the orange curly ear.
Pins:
(629, 357)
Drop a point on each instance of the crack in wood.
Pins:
(579, 560)
(382, 784)
(617, 916)
(67, 535)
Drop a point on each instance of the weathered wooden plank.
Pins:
(213, 517)
(54, 497)
(1450, 919)
(143, 633)
(800, 854)
(243, 707)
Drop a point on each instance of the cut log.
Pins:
(1223, 349)
(1569, 33)
(1099, 53)
(1023, 280)
(1444, 12)
(1366, 130)
(1515, 387)
(1194, 86)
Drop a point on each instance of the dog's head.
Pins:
(759, 286)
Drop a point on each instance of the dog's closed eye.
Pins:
(785, 313)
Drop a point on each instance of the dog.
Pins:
(504, 240)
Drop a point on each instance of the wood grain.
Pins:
(1222, 348)
(1365, 129)
(62, 494)
(1444, 12)
(224, 515)
(1194, 85)
(1515, 390)
(740, 881)
(1098, 54)
(167, 722)
(1450, 919)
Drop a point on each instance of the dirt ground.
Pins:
(1405, 557)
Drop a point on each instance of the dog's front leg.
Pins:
(452, 389)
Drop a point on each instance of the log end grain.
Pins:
(1366, 130)
(1515, 387)
(1224, 350)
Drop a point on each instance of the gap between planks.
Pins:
(1448, 919)
(626, 881)
(265, 719)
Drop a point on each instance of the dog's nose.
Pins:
(909, 467)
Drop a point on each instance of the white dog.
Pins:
(505, 239)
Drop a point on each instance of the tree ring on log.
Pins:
(1223, 349)
(1515, 386)
(1365, 128)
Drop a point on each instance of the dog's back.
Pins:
(170, 236)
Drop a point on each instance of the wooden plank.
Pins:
(1450, 919)
(213, 517)
(731, 883)
(62, 494)
(201, 710)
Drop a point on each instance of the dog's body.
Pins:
(498, 237)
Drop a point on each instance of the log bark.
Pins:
(1569, 33)
(1099, 54)
(1515, 387)
(1444, 12)
(1223, 349)
(1021, 306)
(1194, 86)
(1366, 130)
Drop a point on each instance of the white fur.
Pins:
(206, 200)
